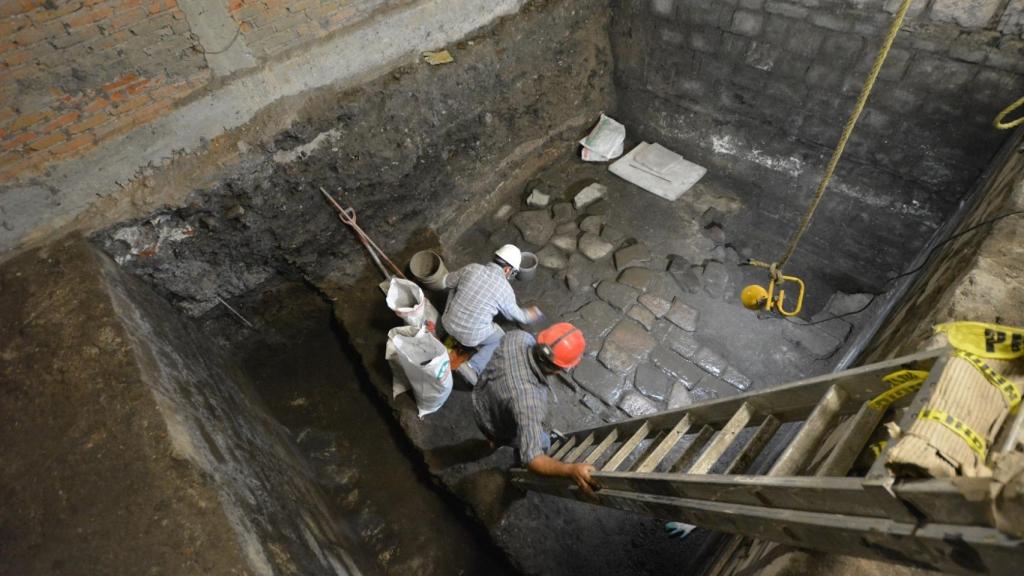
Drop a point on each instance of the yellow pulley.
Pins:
(756, 297)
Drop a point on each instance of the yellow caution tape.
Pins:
(958, 427)
(903, 382)
(877, 447)
(1009, 390)
(985, 340)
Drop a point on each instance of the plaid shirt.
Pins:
(511, 399)
(480, 293)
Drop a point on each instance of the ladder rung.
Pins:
(666, 445)
(565, 448)
(555, 447)
(792, 460)
(723, 439)
(602, 447)
(859, 428)
(627, 448)
(691, 452)
(754, 445)
(576, 452)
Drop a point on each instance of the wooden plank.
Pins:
(689, 455)
(1011, 435)
(725, 437)
(966, 501)
(565, 448)
(626, 449)
(788, 402)
(555, 447)
(793, 458)
(858, 430)
(666, 445)
(754, 445)
(576, 452)
(609, 439)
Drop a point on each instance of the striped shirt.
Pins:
(511, 399)
(480, 293)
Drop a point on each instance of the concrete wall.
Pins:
(96, 96)
(752, 87)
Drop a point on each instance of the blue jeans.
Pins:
(485, 350)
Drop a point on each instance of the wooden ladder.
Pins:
(696, 465)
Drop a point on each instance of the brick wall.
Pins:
(77, 73)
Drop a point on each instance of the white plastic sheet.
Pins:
(604, 142)
(419, 362)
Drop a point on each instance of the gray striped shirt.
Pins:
(511, 399)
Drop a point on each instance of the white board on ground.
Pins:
(678, 177)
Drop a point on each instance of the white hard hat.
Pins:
(510, 254)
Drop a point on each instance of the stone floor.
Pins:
(654, 286)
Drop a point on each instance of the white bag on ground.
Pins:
(604, 142)
(408, 302)
(419, 362)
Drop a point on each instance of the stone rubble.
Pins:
(634, 255)
(683, 315)
(593, 247)
(538, 199)
(626, 346)
(589, 195)
(592, 223)
(642, 315)
(657, 305)
(618, 295)
(536, 226)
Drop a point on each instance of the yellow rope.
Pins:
(998, 122)
(862, 100)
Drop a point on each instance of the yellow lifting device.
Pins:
(755, 296)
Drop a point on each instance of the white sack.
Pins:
(406, 299)
(604, 142)
(419, 362)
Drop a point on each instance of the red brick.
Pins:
(7, 114)
(88, 16)
(126, 17)
(87, 123)
(17, 141)
(122, 81)
(61, 121)
(18, 57)
(116, 127)
(23, 165)
(77, 144)
(48, 141)
(138, 87)
(235, 5)
(62, 9)
(130, 104)
(28, 36)
(95, 106)
(172, 92)
(151, 112)
(26, 120)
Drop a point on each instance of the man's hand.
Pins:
(580, 474)
(534, 315)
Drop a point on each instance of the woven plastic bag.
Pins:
(406, 299)
(419, 363)
(604, 142)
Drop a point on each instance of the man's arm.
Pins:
(580, 473)
(451, 279)
(510, 309)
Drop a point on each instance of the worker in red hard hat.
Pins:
(479, 292)
(511, 399)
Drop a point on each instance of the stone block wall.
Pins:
(77, 73)
(753, 88)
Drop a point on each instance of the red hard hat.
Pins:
(563, 344)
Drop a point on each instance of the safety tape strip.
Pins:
(984, 339)
(1009, 390)
(904, 383)
(958, 427)
(877, 447)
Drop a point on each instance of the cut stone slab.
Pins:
(627, 345)
(650, 380)
(597, 380)
(734, 377)
(507, 234)
(562, 211)
(618, 295)
(564, 242)
(658, 306)
(538, 199)
(710, 362)
(536, 226)
(592, 403)
(818, 342)
(716, 279)
(593, 247)
(589, 195)
(676, 367)
(683, 315)
(683, 343)
(613, 235)
(551, 257)
(711, 217)
(642, 315)
(632, 256)
(680, 397)
(715, 234)
(636, 404)
(596, 319)
(567, 228)
(684, 274)
(703, 394)
(592, 223)
(639, 278)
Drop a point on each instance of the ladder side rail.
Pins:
(799, 451)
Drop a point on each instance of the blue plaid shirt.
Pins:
(479, 293)
(511, 399)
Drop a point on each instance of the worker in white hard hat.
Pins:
(479, 292)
